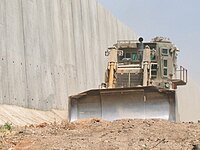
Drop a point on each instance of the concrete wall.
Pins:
(189, 102)
(50, 49)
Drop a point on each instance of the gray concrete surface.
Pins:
(50, 49)
(189, 102)
(23, 116)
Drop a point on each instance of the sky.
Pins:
(178, 20)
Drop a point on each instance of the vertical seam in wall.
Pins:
(40, 40)
(98, 25)
(83, 43)
(39, 46)
(93, 38)
(48, 54)
(63, 45)
(61, 12)
(107, 32)
(7, 63)
(89, 10)
(74, 43)
(25, 63)
(98, 41)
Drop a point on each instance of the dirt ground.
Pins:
(99, 135)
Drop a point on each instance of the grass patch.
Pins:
(6, 127)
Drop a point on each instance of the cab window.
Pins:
(165, 51)
(134, 56)
(153, 55)
(127, 55)
(165, 68)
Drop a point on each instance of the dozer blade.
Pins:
(123, 103)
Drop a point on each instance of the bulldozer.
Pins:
(141, 79)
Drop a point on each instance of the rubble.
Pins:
(99, 134)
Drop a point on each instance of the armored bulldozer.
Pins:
(141, 79)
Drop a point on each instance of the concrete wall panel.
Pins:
(87, 42)
(3, 55)
(32, 53)
(94, 44)
(188, 102)
(14, 91)
(102, 40)
(68, 45)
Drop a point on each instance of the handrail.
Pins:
(183, 74)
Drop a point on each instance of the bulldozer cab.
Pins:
(140, 82)
(146, 64)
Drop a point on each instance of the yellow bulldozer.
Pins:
(140, 83)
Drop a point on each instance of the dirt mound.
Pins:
(100, 134)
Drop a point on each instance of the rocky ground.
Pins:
(99, 135)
